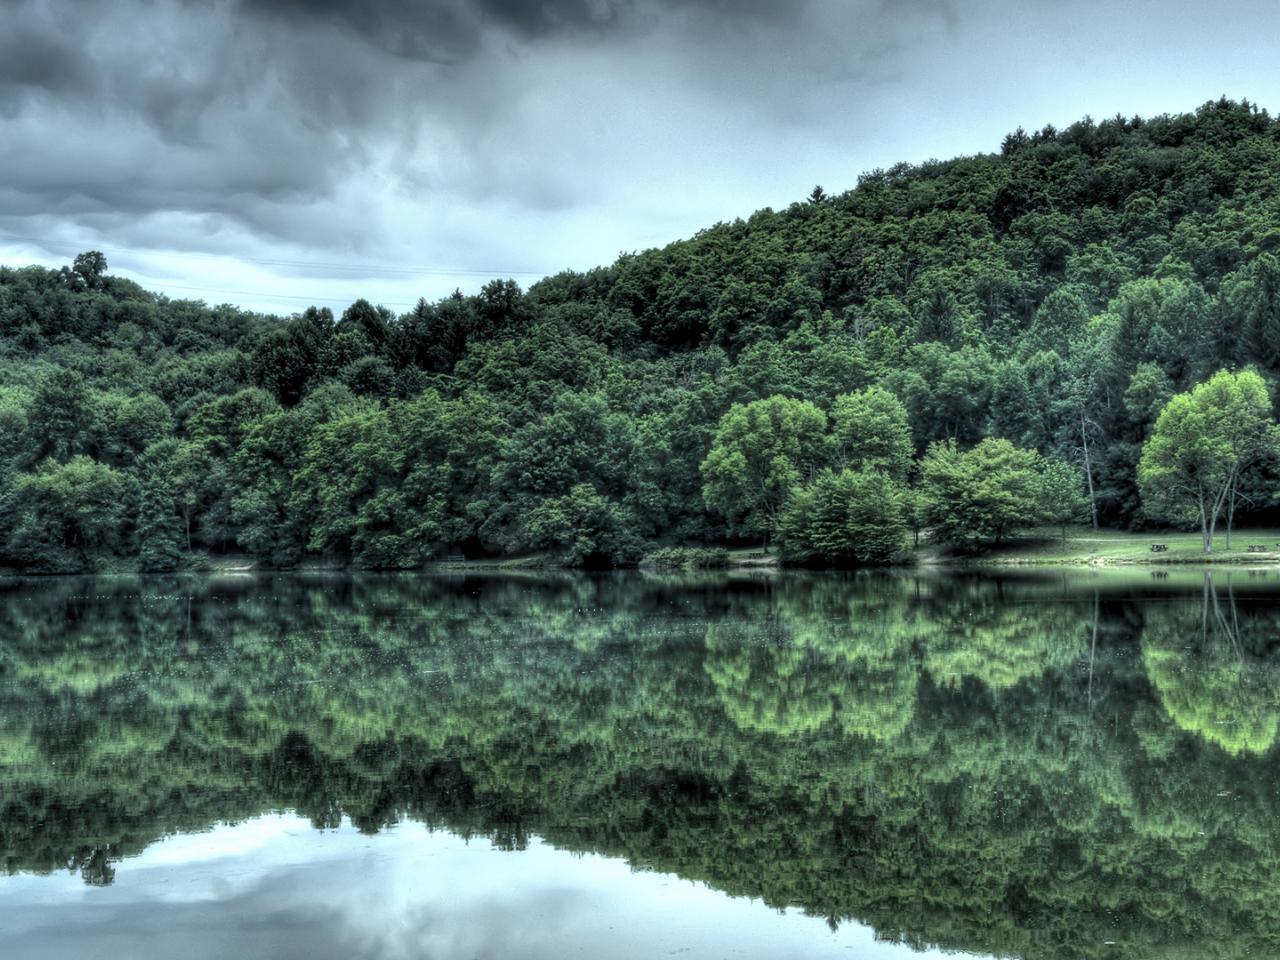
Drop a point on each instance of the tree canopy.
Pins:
(761, 452)
(1054, 294)
(1203, 443)
(983, 494)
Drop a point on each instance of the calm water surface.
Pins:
(868, 766)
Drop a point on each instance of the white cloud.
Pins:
(286, 142)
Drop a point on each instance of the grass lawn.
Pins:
(753, 556)
(1085, 545)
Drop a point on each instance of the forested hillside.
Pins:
(789, 374)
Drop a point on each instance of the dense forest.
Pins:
(957, 349)
(1038, 770)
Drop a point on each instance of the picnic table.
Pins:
(1256, 548)
(1159, 547)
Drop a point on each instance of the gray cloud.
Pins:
(440, 31)
(34, 56)
(449, 30)
(505, 135)
(251, 110)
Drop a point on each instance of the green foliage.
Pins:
(556, 467)
(159, 530)
(1150, 388)
(367, 493)
(285, 359)
(63, 515)
(686, 558)
(845, 517)
(582, 529)
(1061, 496)
(89, 268)
(1202, 444)
(1055, 295)
(59, 415)
(761, 451)
(980, 495)
(871, 431)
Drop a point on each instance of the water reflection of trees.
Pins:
(1208, 665)
(1020, 769)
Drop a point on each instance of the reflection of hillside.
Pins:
(980, 765)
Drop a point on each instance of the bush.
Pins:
(582, 529)
(981, 495)
(848, 517)
(65, 517)
(687, 558)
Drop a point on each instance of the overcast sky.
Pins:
(273, 153)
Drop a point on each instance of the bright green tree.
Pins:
(979, 495)
(871, 430)
(845, 517)
(761, 452)
(1202, 443)
(1061, 495)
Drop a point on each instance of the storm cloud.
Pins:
(264, 150)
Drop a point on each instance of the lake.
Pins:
(1055, 765)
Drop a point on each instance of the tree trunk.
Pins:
(1215, 510)
(1231, 509)
(1204, 607)
(1088, 470)
(1206, 532)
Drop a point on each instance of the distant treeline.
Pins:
(960, 347)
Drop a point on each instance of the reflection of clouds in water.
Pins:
(273, 887)
(222, 841)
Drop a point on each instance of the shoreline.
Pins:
(1085, 549)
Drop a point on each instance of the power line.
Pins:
(282, 296)
(367, 268)
(263, 295)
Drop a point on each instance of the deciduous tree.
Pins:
(1202, 442)
(761, 451)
